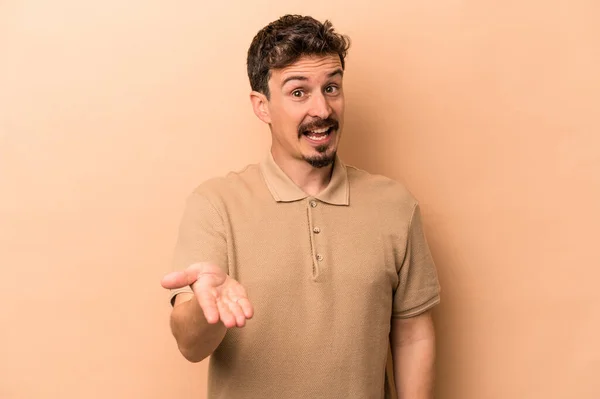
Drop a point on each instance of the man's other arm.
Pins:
(413, 352)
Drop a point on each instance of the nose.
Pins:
(320, 107)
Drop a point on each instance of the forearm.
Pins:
(414, 368)
(195, 337)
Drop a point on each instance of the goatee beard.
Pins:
(322, 160)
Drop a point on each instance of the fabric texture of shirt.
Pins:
(325, 274)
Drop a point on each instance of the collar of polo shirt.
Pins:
(284, 189)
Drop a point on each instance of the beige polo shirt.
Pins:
(325, 274)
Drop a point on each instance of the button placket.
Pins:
(316, 254)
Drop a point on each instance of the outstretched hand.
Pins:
(220, 296)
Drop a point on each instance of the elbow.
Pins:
(193, 349)
(190, 348)
(192, 356)
(195, 339)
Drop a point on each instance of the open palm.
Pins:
(220, 296)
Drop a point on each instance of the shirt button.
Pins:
(313, 203)
(316, 230)
(319, 257)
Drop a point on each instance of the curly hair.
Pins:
(284, 41)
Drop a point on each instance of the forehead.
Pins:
(310, 67)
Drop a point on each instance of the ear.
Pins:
(260, 105)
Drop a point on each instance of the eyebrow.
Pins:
(338, 71)
(290, 78)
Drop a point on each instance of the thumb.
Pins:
(178, 279)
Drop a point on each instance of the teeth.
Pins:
(317, 138)
(318, 135)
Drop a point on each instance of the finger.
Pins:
(208, 303)
(236, 311)
(245, 305)
(179, 279)
(226, 315)
(239, 295)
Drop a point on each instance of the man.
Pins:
(300, 273)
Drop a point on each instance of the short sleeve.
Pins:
(418, 286)
(201, 237)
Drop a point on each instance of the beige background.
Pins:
(112, 111)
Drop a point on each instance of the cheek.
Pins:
(286, 117)
(286, 114)
(296, 113)
(338, 106)
(293, 118)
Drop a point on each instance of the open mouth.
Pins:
(318, 135)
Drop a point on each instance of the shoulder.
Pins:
(379, 188)
(233, 184)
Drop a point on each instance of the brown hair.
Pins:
(284, 41)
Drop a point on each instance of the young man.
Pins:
(301, 276)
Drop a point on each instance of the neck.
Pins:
(310, 179)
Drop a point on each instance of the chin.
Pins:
(321, 160)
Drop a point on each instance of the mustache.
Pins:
(318, 124)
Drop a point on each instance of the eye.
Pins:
(297, 93)
(331, 89)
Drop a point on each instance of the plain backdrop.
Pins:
(112, 111)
